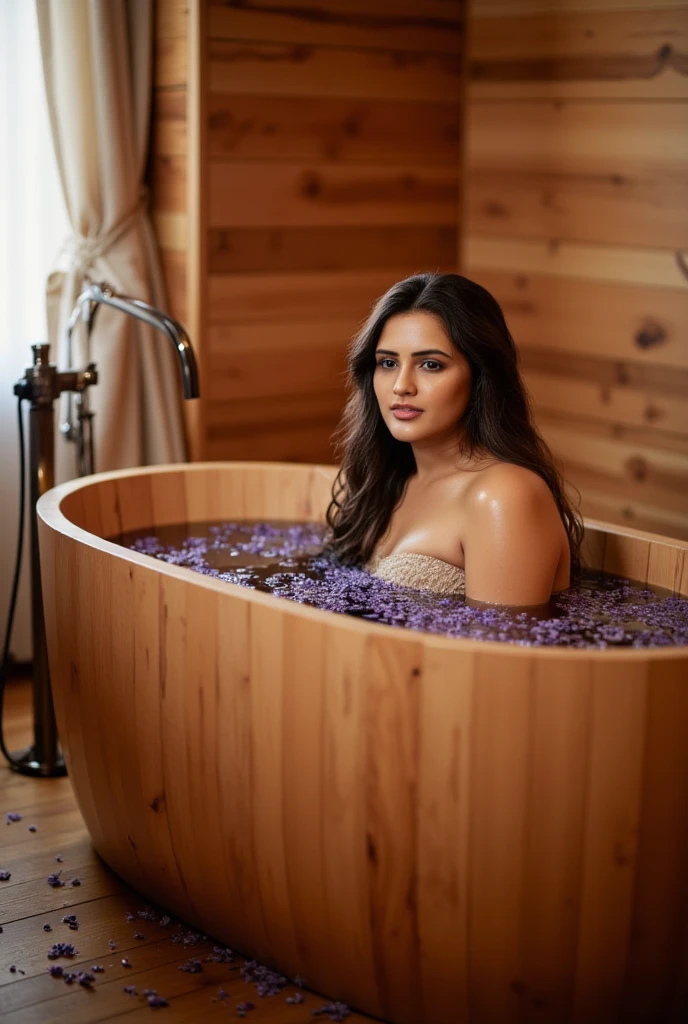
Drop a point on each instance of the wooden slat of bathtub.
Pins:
(612, 814)
(498, 795)
(558, 719)
(444, 785)
(267, 700)
(627, 556)
(659, 930)
(343, 809)
(392, 712)
(302, 741)
(151, 832)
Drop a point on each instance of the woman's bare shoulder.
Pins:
(507, 481)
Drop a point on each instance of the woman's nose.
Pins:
(403, 384)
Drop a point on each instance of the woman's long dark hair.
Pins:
(374, 465)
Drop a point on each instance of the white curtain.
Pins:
(33, 225)
(97, 63)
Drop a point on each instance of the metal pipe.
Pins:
(42, 384)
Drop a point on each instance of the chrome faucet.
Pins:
(41, 385)
(85, 309)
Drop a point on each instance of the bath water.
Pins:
(287, 559)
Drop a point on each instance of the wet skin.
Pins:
(496, 520)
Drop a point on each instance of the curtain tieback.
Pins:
(79, 252)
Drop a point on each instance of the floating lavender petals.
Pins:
(75, 881)
(56, 970)
(47, 928)
(296, 999)
(97, 968)
(129, 916)
(157, 1001)
(55, 880)
(124, 962)
(59, 858)
(138, 935)
(12, 816)
(129, 989)
(5, 876)
(112, 944)
(33, 828)
(85, 978)
(290, 561)
(164, 921)
(243, 1008)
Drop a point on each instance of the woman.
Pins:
(444, 481)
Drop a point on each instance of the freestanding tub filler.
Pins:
(436, 831)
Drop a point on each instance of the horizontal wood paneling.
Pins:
(296, 128)
(612, 405)
(396, 25)
(254, 360)
(329, 170)
(598, 52)
(572, 315)
(499, 8)
(615, 173)
(251, 429)
(287, 195)
(576, 219)
(266, 69)
(622, 264)
(262, 298)
(325, 248)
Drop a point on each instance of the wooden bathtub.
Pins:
(435, 831)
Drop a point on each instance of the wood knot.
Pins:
(351, 126)
(637, 468)
(311, 185)
(371, 849)
(157, 803)
(495, 209)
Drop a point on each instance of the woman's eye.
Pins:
(382, 362)
(435, 364)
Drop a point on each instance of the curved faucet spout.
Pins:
(87, 306)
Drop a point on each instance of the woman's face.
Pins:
(417, 365)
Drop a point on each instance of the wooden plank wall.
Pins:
(330, 156)
(576, 219)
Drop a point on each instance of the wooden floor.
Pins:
(27, 902)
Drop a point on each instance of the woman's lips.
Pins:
(406, 414)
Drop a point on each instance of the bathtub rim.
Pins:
(50, 514)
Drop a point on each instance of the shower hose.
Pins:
(15, 584)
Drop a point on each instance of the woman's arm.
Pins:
(513, 539)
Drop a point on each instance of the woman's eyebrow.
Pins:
(425, 352)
